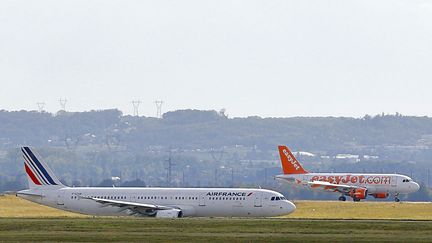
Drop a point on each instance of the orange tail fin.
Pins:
(290, 164)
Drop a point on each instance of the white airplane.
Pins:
(357, 186)
(45, 188)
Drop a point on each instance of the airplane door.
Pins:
(60, 198)
(202, 200)
(258, 199)
(133, 197)
(394, 181)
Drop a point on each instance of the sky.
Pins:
(253, 58)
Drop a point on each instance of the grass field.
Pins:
(222, 230)
(14, 207)
(362, 210)
(22, 221)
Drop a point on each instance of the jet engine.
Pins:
(359, 193)
(380, 195)
(169, 213)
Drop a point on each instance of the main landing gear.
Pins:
(342, 198)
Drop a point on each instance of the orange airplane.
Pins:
(355, 185)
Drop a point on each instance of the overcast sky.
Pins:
(266, 58)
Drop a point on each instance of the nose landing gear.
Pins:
(397, 197)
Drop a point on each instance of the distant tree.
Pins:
(106, 183)
(192, 116)
(134, 183)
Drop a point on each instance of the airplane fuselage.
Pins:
(192, 202)
(374, 183)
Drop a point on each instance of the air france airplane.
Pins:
(45, 188)
(357, 186)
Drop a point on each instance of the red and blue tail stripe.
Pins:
(35, 169)
(32, 176)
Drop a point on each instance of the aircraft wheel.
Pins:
(342, 198)
(356, 199)
(397, 199)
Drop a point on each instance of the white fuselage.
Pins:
(193, 202)
(374, 183)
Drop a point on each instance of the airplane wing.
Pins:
(330, 186)
(132, 208)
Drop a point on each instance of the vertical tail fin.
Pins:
(290, 164)
(38, 172)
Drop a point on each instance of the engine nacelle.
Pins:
(359, 193)
(380, 195)
(170, 213)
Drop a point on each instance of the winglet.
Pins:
(290, 164)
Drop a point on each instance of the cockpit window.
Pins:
(277, 198)
(405, 180)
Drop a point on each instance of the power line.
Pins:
(41, 106)
(136, 104)
(158, 104)
(169, 169)
(63, 104)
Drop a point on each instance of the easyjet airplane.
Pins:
(357, 186)
(46, 189)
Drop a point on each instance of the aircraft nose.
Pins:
(290, 207)
(415, 186)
